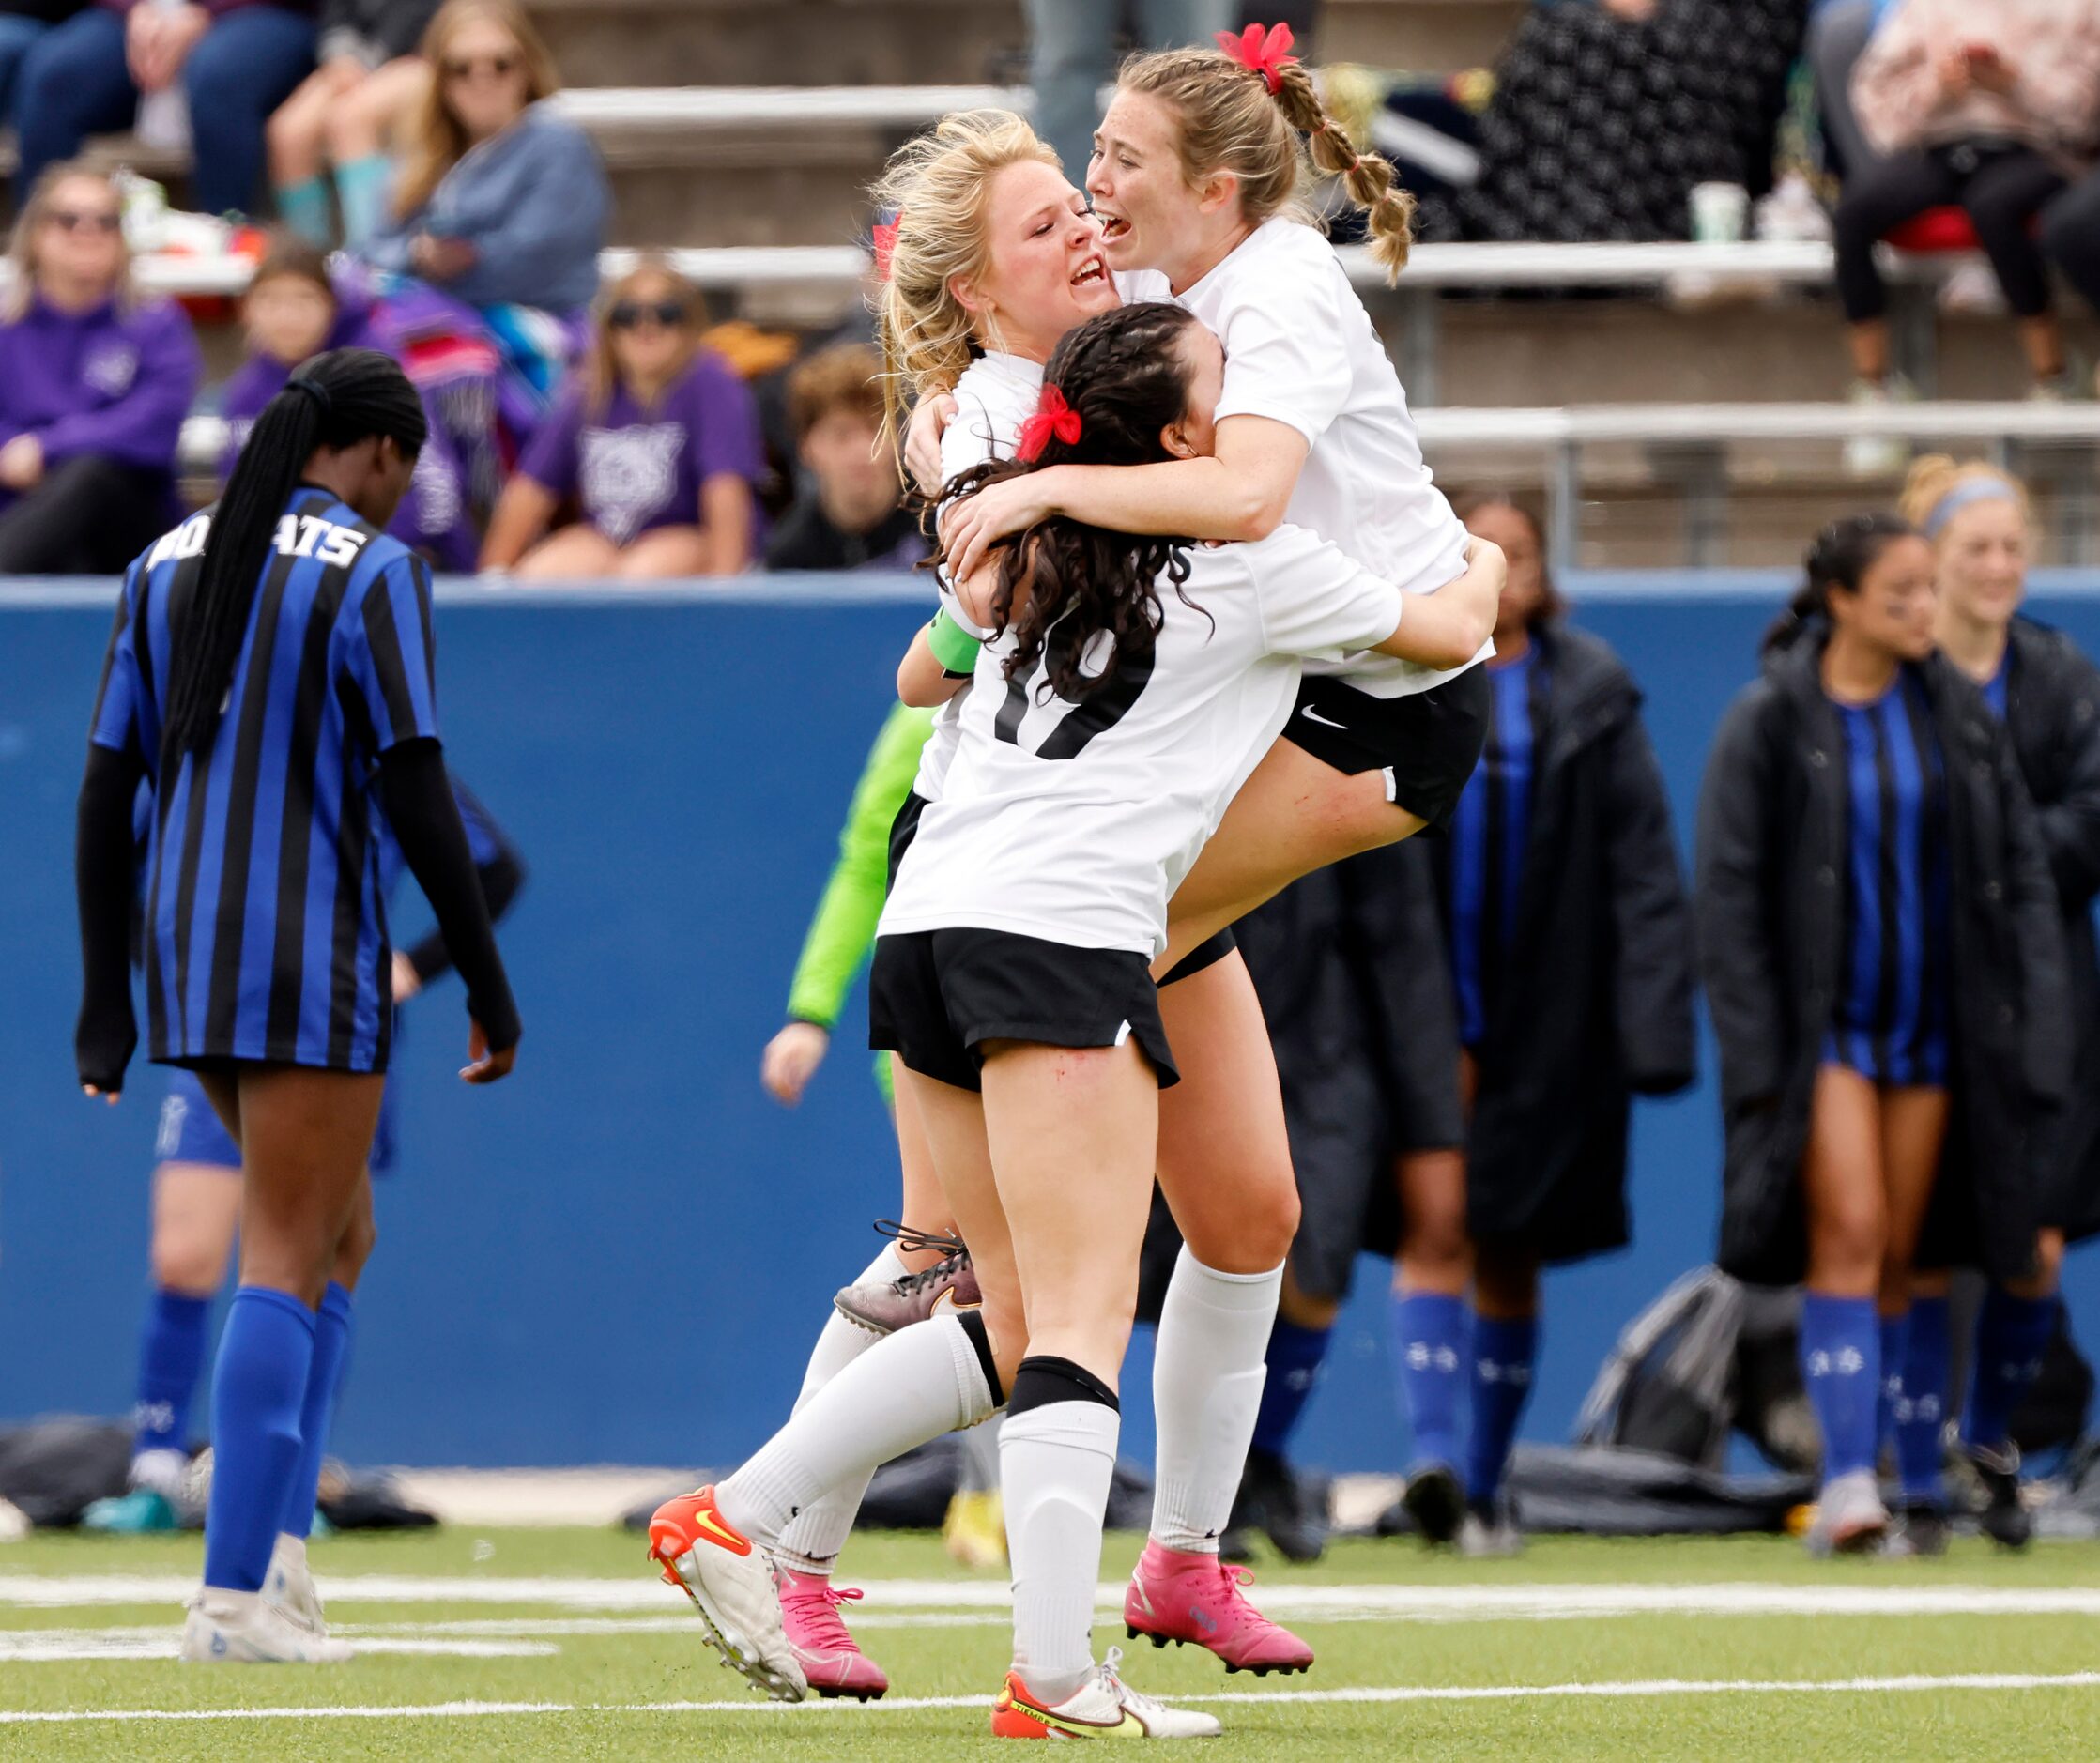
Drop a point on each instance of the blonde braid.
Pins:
(1367, 176)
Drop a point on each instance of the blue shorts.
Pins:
(192, 1131)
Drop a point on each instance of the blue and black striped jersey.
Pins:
(1893, 1012)
(266, 926)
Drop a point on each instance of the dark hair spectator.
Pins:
(848, 510)
(343, 117)
(293, 312)
(1994, 108)
(95, 381)
(656, 438)
(233, 61)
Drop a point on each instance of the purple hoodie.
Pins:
(433, 516)
(107, 382)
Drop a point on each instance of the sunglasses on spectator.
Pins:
(629, 313)
(497, 66)
(103, 221)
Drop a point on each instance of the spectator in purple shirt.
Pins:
(657, 441)
(235, 61)
(95, 381)
(292, 311)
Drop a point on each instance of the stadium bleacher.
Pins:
(759, 188)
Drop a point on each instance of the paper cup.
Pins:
(1720, 213)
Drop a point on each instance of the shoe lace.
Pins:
(913, 1241)
(955, 1256)
(1109, 1675)
(816, 1608)
(1234, 1580)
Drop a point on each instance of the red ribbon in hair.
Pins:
(884, 238)
(1053, 419)
(1261, 49)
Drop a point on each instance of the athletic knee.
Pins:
(1255, 1238)
(188, 1262)
(355, 1251)
(1848, 1238)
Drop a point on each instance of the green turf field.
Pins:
(553, 1643)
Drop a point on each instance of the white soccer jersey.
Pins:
(996, 394)
(1075, 822)
(1300, 348)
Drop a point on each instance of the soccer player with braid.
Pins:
(271, 675)
(1128, 687)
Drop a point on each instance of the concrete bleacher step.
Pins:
(863, 42)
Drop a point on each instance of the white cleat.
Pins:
(289, 1585)
(1104, 1707)
(730, 1583)
(244, 1628)
(1849, 1516)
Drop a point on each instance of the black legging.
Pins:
(90, 515)
(2001, 187)
(2070, 236)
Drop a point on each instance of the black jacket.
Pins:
(2052, 710)
(1770, 906)
(1595, 1006)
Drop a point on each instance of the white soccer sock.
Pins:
(906, 1389)
(812, 1542)
(1055, 1463)
(980, 1458)
(1207, 1373)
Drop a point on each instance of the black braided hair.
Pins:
(1124, 374)
(1840, 558)
(335, 400)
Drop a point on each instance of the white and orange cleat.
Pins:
(1197, 1599)
(731, 1584)
(830, 1658)
(1104, 1707)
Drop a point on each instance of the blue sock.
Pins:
(257, 1394)
(171, 1358)
(1429, 1360)
(361, 189)
(1294, 1356)
(303, 206)
(1895, 1335)
(1504, 1353)
(324, 1384)
(1841, 1355)
(1928, 1369)
(2012, 1335)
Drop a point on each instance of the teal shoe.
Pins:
(130, 1514)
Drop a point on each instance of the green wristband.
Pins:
(953, 646)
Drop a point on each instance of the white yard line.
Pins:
(890, 1599)
(896, 1705)
(165, 1641)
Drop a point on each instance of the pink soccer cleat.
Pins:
(829, 1656)
(1181, 1598)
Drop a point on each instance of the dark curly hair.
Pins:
(1840, 558)
(1062, 584)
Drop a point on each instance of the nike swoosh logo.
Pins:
(719, 1532)
(1312, 715)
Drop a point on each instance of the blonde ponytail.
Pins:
(938, 186)
(1369, 177)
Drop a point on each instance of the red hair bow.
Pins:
(885, 241)
(1053, 418)
(1261, 49)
